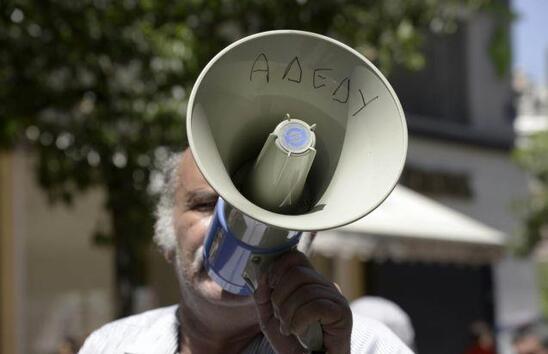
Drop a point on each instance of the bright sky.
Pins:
(530, 38)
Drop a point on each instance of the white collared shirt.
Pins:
(155, 332)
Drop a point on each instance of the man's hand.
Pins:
(291, 297)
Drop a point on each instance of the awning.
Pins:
(409, 226)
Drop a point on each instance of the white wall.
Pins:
(497, 183)
(67, 281)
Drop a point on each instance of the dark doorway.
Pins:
(441, 300)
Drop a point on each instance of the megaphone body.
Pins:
(238, 248)
(296, 132)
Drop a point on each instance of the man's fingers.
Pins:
(293, 297)
(304, 295)
(335, 324)
(300, 276)
(270, 325)
(263, 292)
(280, 342)
(284, 264)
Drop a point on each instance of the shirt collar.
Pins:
(158, 337)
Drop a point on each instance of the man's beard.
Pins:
(190, 266)
(197, 265)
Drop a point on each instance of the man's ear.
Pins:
(169, 255)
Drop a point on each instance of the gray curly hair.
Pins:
(164, 232)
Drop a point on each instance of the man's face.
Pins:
(529, 345)
(194, 204)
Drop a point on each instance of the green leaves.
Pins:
(533, 157)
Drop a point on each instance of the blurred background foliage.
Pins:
(532, 155)
(98, 88)
(542, 269)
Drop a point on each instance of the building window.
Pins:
(438, 91)
(437, 183)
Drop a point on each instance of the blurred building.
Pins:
(532, 105)
(56, 282)
(532, 97)
(55, 285)
(437, 247)
(532, 117)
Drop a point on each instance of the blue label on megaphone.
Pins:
(295, 137)
(226, 255)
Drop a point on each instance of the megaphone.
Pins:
(296, 132)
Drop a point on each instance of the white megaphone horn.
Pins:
(296, 132)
